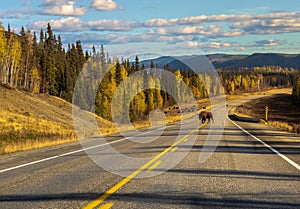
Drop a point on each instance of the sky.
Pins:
(164, 27)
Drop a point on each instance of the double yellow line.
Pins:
(151, 164)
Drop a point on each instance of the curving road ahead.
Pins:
(252, 167)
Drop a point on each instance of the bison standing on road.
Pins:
(204, 115)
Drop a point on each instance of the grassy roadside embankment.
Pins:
(30, 121)
(283, 114)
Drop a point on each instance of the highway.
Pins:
(253, 166)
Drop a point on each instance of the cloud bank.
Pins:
(62, 8)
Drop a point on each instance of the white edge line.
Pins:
(73, 152)
(57, 156)
(295, 165)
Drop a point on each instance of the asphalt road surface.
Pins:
(253, 166)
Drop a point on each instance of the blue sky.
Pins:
(164, 27)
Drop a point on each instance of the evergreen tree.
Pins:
(24, 39)
(137, 63)
(61, 67)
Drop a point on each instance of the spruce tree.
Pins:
(51, 70)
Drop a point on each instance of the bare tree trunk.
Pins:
(26, 71)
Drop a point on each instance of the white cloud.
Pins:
(152, 38)
(62, 8)
(270, 26)
(219, 45)
(231, 33)
(238, 24)
(267, 43)
(194, 30)
(120, 38)
(210, 31)
(113, 25)
(69, 24)
(205, 46)
(194, 20)
(213, 45)
(203, 19)
(104, 5)
(229, 45)
(158, 22)
(76, 24)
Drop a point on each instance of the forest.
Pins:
(39, 63)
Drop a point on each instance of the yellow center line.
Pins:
(124, 181)
(106, 206)
(154, 165)
(174, 149)
(185, 138)
(195, 131)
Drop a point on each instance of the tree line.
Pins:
(155, 90)
(245, 80)
(40, 64)
(201, 85)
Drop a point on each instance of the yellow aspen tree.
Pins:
(158, 99)
(178, 83)
(2, 55)
(35, 80)
(14, 60)
(123, 72)
(232, 87)
(141, 105)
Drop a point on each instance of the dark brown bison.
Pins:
(204, 115)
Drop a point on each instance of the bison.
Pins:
(204, 115)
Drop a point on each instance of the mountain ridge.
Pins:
(230, 61)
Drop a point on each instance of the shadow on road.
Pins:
(199, 200)
(161, 199)
(260, 149)
(240, 174)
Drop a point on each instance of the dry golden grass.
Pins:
(30, 121)
(15, 146)
(281, 125)
(266, 92)
(278, 102)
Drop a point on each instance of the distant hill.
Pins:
(225, 60)
(269, 59)
(230, 61)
